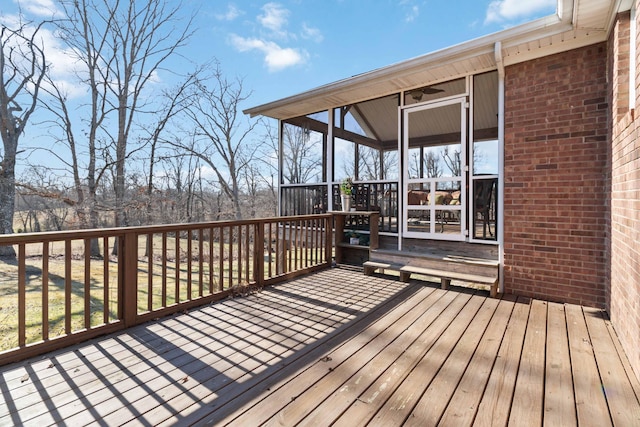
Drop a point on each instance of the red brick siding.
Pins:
(623, 302)
(555, 209)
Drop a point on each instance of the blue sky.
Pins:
(284, 47)
(280, 48)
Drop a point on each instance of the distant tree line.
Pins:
(132, 151)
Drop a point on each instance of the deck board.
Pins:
(614, 381)
(366, 405)
(591, 404)
(339, 348)
(528, 394)
(466, 399)
(404, 399)
(435, 399)
(495, 404)
(559, 399)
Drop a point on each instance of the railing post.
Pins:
(258, 253)
(328, 236)
(128, 260)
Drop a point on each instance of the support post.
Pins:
(258, 254)
(128, 261)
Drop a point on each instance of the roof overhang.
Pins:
(577, 23)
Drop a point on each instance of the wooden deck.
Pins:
(337, 347)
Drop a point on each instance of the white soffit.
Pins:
(577, 23)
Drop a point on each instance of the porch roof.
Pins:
(339, 346)
(577, 23)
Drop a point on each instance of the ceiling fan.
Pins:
(417, 94)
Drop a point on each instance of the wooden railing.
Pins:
(66, 287)
(380, 196)
(297, 199)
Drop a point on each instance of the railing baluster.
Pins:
(22, 296)
(87, 283)
(279, 261)
(177, 272)
(328, 239)
(45, 291)
(318, 242)
(306, 243)
(164, 268)
(67, 286)
(105, 277)
(200, 260)
(221, 258)
(211, 260)
(289, 245)
(150, 272)
(239, 254)
(247, 252)
(128, 257)
(230, 283)
(296, 244)
(189, 265)
(270, 237)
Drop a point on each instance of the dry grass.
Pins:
(186, 274)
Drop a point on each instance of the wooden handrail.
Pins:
(156, 270)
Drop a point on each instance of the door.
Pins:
(434, 159)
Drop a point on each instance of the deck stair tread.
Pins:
(390, 253)
(446, 266)
(450, 274)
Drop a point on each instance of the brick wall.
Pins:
(555, 201)
(623, 294)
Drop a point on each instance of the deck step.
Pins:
(446, 276)
(371, 266)
(446, 262)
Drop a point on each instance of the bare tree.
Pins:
(119, 48)
(142, 36)
(219, 137)
(175, 101)
(23, 66)
(302, 159)
(267, 161)
(432, 165)
(452, 161)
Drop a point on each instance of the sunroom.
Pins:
(425, 158)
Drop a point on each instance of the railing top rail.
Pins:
(51, 236)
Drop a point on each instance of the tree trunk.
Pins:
(7, 204)
(8, 191)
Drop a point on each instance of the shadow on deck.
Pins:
(339, 347)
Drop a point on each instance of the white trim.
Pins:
(280, 164)
(401, 167)
(500, 219)
(329, 168)
(460, 99)
(632, 58)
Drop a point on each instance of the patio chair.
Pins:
(483, 193)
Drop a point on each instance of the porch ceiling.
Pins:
(577, 23)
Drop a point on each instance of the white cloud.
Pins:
(311, 33)
(275, 57)
(231, 14)
(506, 10)
(274, 18)
(45, 8)
(412, 14)
(411, 10)
(62, 62)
